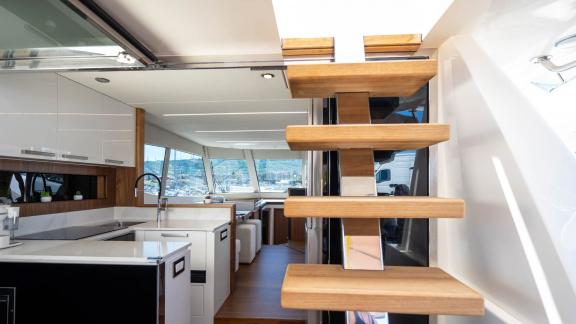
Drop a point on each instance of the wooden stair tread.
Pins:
(380, 79)
(302, 47)
(392, 43)
(366, 136)
(407, 290)
(373, 207)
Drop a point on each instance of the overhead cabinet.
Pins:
(29, 110)
(46, 116)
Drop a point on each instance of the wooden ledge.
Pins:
(366, 136)
(392, 43)
(406, 290)
(308, 47)
(380, 79)
(373, 207)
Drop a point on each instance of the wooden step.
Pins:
(366, 136)
(373, 207)
(406, 290)
(376, 44)
(308, 47)
(379, 79)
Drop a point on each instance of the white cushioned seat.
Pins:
(258, 224)
(238, 246)
(246, 233)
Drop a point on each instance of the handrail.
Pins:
(545, 60)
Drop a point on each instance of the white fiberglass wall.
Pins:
(513, 166)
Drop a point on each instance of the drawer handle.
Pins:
(40, 153)
(174, 235)
(114, 161)
(74, 157)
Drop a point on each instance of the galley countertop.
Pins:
(182, 225)
(93, 252)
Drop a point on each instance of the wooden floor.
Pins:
(256, 298)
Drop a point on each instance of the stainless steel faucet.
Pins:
(162, 202)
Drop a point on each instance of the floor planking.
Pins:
(256, 298)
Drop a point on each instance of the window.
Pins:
(231, 176)
(186, 175)
(153, 163)
(278, 175)
(394, 175)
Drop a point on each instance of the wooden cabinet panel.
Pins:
(280, 226)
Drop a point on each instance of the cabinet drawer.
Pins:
(197, 250)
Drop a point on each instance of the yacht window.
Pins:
(231, 176)
(153, 163)
(278, 175)
(186, 175)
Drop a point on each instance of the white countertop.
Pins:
(93, 252)
(182, 225)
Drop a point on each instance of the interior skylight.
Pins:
(301, 18)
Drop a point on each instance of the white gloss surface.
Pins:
(182, 225)
(93, 252)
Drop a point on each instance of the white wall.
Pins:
(516, 243)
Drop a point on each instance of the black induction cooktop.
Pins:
(77, 232)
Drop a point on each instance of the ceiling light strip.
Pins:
(239, 142)
(240, 131)
(238, 113)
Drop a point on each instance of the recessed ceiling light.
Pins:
(102, 80)
(239, 113)
(267, 76)
(240, 131)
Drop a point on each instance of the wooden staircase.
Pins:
(355, 286)
(406, 290)
(373, 207)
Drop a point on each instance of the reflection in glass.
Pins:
(49, 35)
(393, 177)
(278, 175)
(231, 176)
(23, 187)
(186, 175)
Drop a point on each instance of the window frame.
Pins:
(167, 159)
(161, 176)
(302, 185)
(255, 188)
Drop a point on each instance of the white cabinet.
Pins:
(197, 238)
(28, 110)
(47, 116)
(209, 254)
(118, 133)
(80, 122)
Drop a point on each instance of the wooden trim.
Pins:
(33, 209)
(405, 290)
(366, 136)
(125, 186)
(139, 158)
(374, 207)
(353, 108)
(380, 79)
(392, 43)
(356, 163)
(308, 47)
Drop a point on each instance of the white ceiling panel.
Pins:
(163, 86)
(234, 99)
(200, 30)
